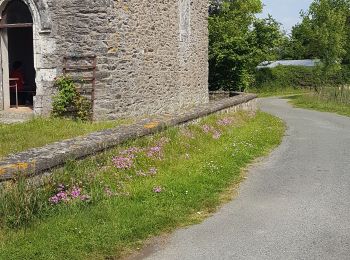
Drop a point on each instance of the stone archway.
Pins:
(41, 26)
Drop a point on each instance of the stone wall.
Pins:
(38, 160)
(151, 55)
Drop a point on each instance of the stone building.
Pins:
(151, 56)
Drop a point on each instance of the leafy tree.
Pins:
(238, 42)
(323, 33)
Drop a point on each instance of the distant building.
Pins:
(300, 63)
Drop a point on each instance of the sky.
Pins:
(285, 11)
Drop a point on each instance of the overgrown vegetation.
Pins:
(287, 78)
(101, 206)
(69, 103)
(332, 99)
(38, 132)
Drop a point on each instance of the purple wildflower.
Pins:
(130, 152)
(75, 193)
(157, 189)
(122, 162)
(54, 200)
(155, 151)
(62, 196)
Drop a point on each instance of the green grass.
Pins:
(38, 132)
(314, 102)
(194, 170)
(266, 92)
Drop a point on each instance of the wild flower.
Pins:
(65, 195)
(153, 171)
(206, 129)
(54, 200)
(187, 156)
(216, 135)
(121, 162)
(130, 152)
(75, 193)
(225, 121)
(155, 151)
(157, 189)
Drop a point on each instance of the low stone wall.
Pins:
(38, 160)
(218, 95)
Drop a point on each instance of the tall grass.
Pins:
(328, 99)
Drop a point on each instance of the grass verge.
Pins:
(310, 101)
(38, 132)
(266, 92)
(103, 206)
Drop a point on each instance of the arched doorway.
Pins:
(17, 55)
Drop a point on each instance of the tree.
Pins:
(324, 32)
(238, 42)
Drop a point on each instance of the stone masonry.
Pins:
(151, 55)
(37, 161)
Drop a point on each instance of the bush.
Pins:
(68, 102)
(282, 77)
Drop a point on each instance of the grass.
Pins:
(154, 185)
(268, 92)
(325, 102)
(38, 132)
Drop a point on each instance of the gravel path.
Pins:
(294, 205)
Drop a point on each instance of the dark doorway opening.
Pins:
(20, 52)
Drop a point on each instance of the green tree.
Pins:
(324, 33)
(238, 42)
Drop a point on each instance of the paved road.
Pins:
(294, 205)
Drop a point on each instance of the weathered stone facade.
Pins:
(151, 55)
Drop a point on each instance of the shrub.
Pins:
(68, 102)
(282, 77)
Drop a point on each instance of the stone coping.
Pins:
(38, 160)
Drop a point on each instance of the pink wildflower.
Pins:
(155, 151)
(54, 200)
(157, 189)
(122, 162)
(75, 193)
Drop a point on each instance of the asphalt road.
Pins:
(294, 205)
